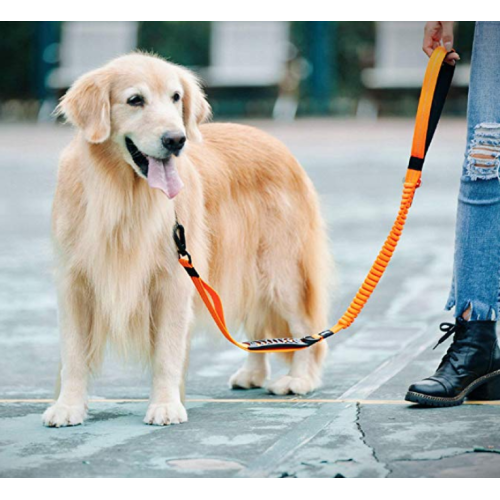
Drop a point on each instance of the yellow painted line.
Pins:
(298, 400)
(262, 400)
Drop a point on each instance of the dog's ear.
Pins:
(196, 109)
(87, 106)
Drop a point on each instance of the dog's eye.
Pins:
(136, 100)
(176, 97)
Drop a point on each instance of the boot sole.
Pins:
(425, 400)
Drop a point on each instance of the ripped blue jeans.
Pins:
(476, 272)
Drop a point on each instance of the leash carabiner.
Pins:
(179, 235)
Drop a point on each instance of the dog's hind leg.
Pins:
(300, 300)
(255, 371)
(305, 366)
(253, 374)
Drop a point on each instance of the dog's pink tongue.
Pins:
(163, 175)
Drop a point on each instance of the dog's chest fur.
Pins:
(125, 251)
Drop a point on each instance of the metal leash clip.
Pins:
(179, 236)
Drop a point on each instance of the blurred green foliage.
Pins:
(464, 35)
(349, 48)
(353, 44)
(17, 53)
(186, 43)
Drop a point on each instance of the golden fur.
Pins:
(252, 222)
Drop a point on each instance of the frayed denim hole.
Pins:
(479, 311)
(483, 156)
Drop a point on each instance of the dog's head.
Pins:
(145, 107)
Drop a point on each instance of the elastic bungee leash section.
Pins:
(435, 87)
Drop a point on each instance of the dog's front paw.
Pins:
(166, 414)
(61, 415)
(293, 385)
(248, 379)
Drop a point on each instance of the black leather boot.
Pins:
(470, 368)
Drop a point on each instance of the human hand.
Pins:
(436, 32)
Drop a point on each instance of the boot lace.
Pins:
(450, 329)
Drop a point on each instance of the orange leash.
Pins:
(435, 87)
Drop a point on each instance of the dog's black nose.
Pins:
(173, 141)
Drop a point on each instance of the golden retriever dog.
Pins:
(139, 158)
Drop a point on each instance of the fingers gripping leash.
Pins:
(435, 87)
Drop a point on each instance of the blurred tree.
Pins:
(353, 42)
(353, 47)
(186, 43)
(17, 51)
(464, 34)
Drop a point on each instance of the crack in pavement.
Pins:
(468, 463)
(339, 450)
(326, 420)
(448, 455)
(364, 441)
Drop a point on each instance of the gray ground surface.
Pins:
(357, 425)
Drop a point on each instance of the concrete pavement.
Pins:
(357, 425)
